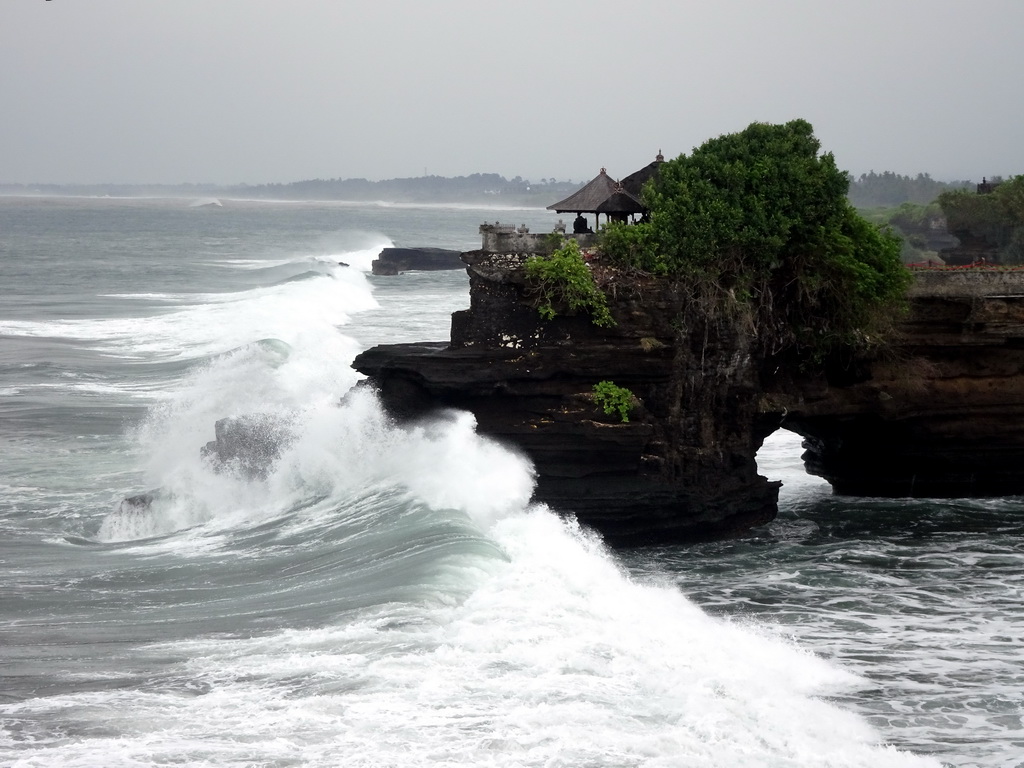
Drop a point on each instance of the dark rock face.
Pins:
(969, 248)
(938, 414)
(667, 474)
(394, 261)
(942, 414)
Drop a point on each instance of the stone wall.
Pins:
(497, 238)
(971, 282)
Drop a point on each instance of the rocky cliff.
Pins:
(681, 468)
(941, 413)
(938, 414)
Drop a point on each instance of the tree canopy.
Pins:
(888, 189)
(759, 222)
(998, 217)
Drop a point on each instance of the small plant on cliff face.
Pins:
(563, 278)
(612, 398)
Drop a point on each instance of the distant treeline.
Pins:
(888, 189)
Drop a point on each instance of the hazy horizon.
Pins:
(257, 184)
(264, 92)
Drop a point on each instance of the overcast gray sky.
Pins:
(228, 91)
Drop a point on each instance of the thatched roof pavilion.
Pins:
(634, 183)
(620, 203)
(602, 194)
(587, 198)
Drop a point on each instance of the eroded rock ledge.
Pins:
(942, 415)
(939, 415)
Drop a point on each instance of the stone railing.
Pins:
(967, 282)
(504, 238)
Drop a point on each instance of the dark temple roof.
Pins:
(602, 194)
(634, 183)
(620, 201)
(587, 198)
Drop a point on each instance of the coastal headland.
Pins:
(937, 412)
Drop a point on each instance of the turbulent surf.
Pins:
(337, 589)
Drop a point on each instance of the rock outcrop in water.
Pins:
(248, 445)
(938, 415)
(394, 261)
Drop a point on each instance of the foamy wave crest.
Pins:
(333, 452)
(205, 324)
(445, 655)
(441, 463)
(555, 658)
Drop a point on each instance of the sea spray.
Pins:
(545, 643)
(554, 657)
(304, 366)
(502, 655)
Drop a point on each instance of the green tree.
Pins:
(757, 223)
(998, 217)
(888, 189)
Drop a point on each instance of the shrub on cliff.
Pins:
(757, 224)
(563, 281)
(613, 399)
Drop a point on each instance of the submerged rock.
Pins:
(134, 518)
(248, 445)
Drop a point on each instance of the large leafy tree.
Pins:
(756, 224)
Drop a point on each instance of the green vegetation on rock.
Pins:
(564, 282)
(613, 399)
(756, 226)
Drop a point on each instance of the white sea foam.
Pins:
(556, 658)
(212, 323)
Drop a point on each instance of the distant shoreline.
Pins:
(475, 189)
(481, 205)
(488, 190)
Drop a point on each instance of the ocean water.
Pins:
(389, 596)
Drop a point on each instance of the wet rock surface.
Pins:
(394, 261)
